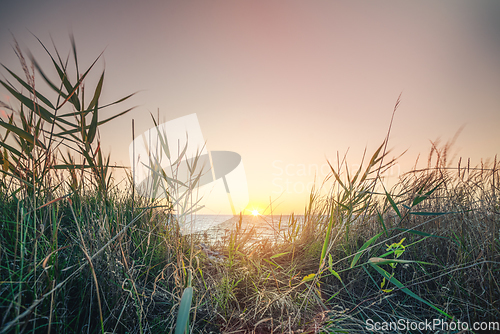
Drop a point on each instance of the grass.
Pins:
(78, 254)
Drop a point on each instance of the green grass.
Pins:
(78, 254)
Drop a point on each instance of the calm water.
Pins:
(216, 226)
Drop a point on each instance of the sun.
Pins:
(255, 213)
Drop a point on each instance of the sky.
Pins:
(287, 85)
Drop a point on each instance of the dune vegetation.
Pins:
(81, 254)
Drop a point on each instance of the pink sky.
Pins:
(287, 84)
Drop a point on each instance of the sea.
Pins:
(217, 227)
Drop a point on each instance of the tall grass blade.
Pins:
(21, 133)
(181, 324)
(30, 89)
(97, 92)
(419, 199)
(93, 126)
(400, 285)
(365, 246)
(393, 204)
(36, 108)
